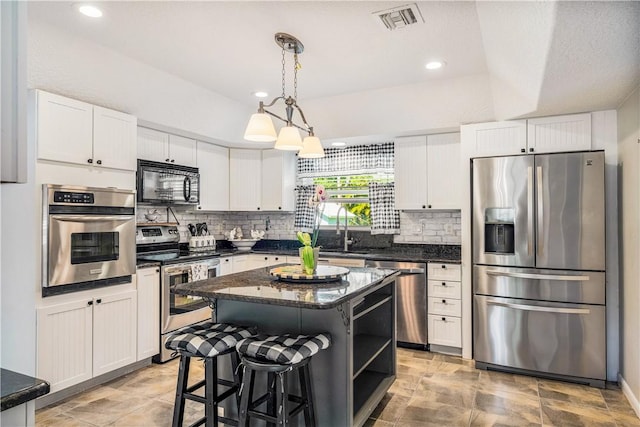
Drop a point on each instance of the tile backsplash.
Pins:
(441, 227)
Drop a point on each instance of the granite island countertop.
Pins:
(259, 286)
(17, 388)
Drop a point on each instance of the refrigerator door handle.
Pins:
(537, 308)
(530, 210)
(538, 276)
(540, 242)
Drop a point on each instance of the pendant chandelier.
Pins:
(260, 127)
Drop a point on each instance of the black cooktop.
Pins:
(175, 256)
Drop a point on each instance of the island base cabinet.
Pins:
(349, 378)
(81, 339)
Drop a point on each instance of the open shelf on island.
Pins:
(365, 349)
(368, 390)
(371, 302)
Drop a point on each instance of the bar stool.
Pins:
(208, 341)
(277, 356)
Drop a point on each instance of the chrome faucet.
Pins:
(347, 241)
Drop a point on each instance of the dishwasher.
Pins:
(411, 305)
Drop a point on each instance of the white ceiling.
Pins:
(504, 59)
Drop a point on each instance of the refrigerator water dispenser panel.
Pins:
(499, 230)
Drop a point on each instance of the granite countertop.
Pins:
(258, 286)
(17, 389)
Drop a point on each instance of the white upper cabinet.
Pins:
(559, 133)
(410, 173)
(532, 136)
(213, 163)
(496, 138)
(163, 147)
(153, 145)
(245, 174)
(114, 139)
(278, 180)
(444, 186)
(77, 132)
(427, 172)
(182, 151)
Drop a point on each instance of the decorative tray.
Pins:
(295, 273)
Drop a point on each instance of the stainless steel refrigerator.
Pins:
(539, 265)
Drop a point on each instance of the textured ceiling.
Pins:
(504, 59)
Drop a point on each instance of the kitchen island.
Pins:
(350, 377)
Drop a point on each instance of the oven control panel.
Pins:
(73, 197)
(147, 234)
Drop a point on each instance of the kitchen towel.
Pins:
(199, 272)
(385, 219)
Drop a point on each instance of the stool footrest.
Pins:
(194, 387)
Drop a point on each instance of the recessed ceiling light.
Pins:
(434, 65)
(89, 10)
(261, 94)
(338, 144)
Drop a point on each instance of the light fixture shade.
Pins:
(260, 128)
(288, 139)
(311, 148)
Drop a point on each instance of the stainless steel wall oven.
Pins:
(88, 237)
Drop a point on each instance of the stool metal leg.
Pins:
(271, 402)
(237, 374)
(245, 398)
(307, 395)
(183, 376)
(282, 399)
(210, 393)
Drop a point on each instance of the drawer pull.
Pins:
(444, 301)
(444, 266)
(444, 284)
(444, 319)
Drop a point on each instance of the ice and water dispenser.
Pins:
(499, 230)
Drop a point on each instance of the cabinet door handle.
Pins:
(531, 150)
(173, 160)
(444, 301)
(89, 160)
(99, 162)
(429, 206)
(89, 302)
(157, 270)
(522, 150)
(167, 160)
(423, 206)
(279, 208)
(444, 284)
(444, 319)
(265, 258)
(258, 207)
(277, 258)
(444, 266)
(99, 300)
(199, 207)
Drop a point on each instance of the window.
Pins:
(350, 192)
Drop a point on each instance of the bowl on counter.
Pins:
(244, 244)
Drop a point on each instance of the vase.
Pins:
(310, 268)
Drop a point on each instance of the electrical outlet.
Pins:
(448, 228)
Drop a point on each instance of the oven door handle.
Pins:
(100, 218)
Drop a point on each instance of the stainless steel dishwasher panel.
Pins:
(411, 300)
(556, 338)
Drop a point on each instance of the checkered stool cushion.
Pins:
(207, 339)
(283, 349)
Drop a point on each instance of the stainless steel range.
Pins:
(161, 243)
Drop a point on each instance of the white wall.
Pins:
(74, 67)
(629, 244)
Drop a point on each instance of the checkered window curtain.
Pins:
(385, 219)
(358, 159)
(304, 219)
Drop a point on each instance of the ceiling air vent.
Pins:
(399, 17)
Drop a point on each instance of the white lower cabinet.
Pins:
(226, 265)
(85, 337)
(444, 305)
(148, 285)
(445, 330)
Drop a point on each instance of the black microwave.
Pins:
(167, 184)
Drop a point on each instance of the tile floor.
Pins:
(430, 390)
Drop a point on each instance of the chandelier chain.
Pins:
(296, 67)
(283, 73)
